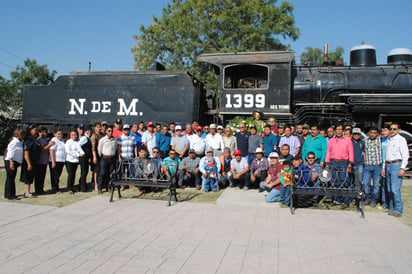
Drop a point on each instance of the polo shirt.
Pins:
(269, 143)
(317, 145)
(254, 142)
(243, 142)
(171, 165)
(239, 166)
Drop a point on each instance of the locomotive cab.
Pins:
(253, 81)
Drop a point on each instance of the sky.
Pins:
(67, 35)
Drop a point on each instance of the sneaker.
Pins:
(372, 204)
(394, 214)
(245, 188)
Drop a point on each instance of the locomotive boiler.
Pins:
(359, 92)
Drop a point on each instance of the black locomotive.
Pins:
(360, 92)
(264, 81)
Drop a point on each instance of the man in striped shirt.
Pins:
(372, 166)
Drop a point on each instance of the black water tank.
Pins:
(363, 55)
(400, 56)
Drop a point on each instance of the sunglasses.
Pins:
(393, 128)
(155, 151)
(311, 157)
(110, 131)
(172, 153)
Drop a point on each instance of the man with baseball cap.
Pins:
(188, 173)
(272, 183)
(197, 142)
(149, 137)
(117, 129)
(240, 171)
(179, 142)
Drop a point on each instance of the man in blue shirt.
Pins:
(242, 139)
(316, 144)
(270, 141)
(163, 139)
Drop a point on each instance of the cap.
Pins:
(104, 123)
(306, 126)
(192, 151)
(281, 126)
(126, 126)
(252, 126)
(209, 150)
(198, 128)
(80, 126)
(237, 152)
(356, 130)
(273, 155)
(178, 127)
(212, 126)
(118, 121)
(259, 150)
(219, 127)
(150, 124)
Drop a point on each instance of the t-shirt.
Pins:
(44, 154)
(179, 142)
(254, 142)
(59, 150)
(273, 171)
(239, 166)
(243, 143)
(171, 164)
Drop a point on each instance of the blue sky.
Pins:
(66, 35)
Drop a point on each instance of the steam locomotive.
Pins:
(269, 82)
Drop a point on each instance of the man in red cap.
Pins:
(197, 142)
(118, 128)
(240, 171)
(149, 138)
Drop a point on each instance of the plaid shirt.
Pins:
(373, 151)
(262, 165)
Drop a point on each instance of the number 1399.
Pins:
(245, 100)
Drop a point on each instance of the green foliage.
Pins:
(189, 28)
(248, 121)
(11, 93)
(314, 56)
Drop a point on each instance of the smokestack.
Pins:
(90, 66)
(325, 52)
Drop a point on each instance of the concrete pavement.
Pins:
(238, 234)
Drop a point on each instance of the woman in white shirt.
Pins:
(57, 160)
(73, 152)
(13, 160)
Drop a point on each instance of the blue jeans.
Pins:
(394, 185)
(384, 193)
(285, 194)
(250, 158)
(372, 172)
(273, 194)
(210, 184)
(340, 180)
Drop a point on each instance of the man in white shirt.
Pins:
(214, 140)
(396, 160)
(240, 170)
(107, 151)
(197, 142)
(149, 137)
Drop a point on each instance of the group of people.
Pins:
(213, 157)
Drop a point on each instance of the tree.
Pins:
(314, 56)
(11, 92)
(189, 28)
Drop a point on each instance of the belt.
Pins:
(107, 156)
(338, 160)
(392, 162)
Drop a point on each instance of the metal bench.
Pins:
(330, 183)
(141, 174)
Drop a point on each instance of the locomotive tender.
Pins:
(263, 81)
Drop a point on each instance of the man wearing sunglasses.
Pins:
(397, 154)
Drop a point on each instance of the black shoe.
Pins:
(13, 198)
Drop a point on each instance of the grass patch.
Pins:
(64, 199)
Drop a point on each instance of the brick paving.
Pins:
(238, 234)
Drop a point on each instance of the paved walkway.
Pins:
(239, 234)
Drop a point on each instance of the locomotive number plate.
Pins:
(245, 101)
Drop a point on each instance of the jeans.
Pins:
(273, 194)
(394, 185)
(244, 180)
(285, 194)
(250, 158)
(384, 193)
(226, 180)
(183, 179)
(372, 172)
(340, 180)
(107, 165)
(210, 184)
